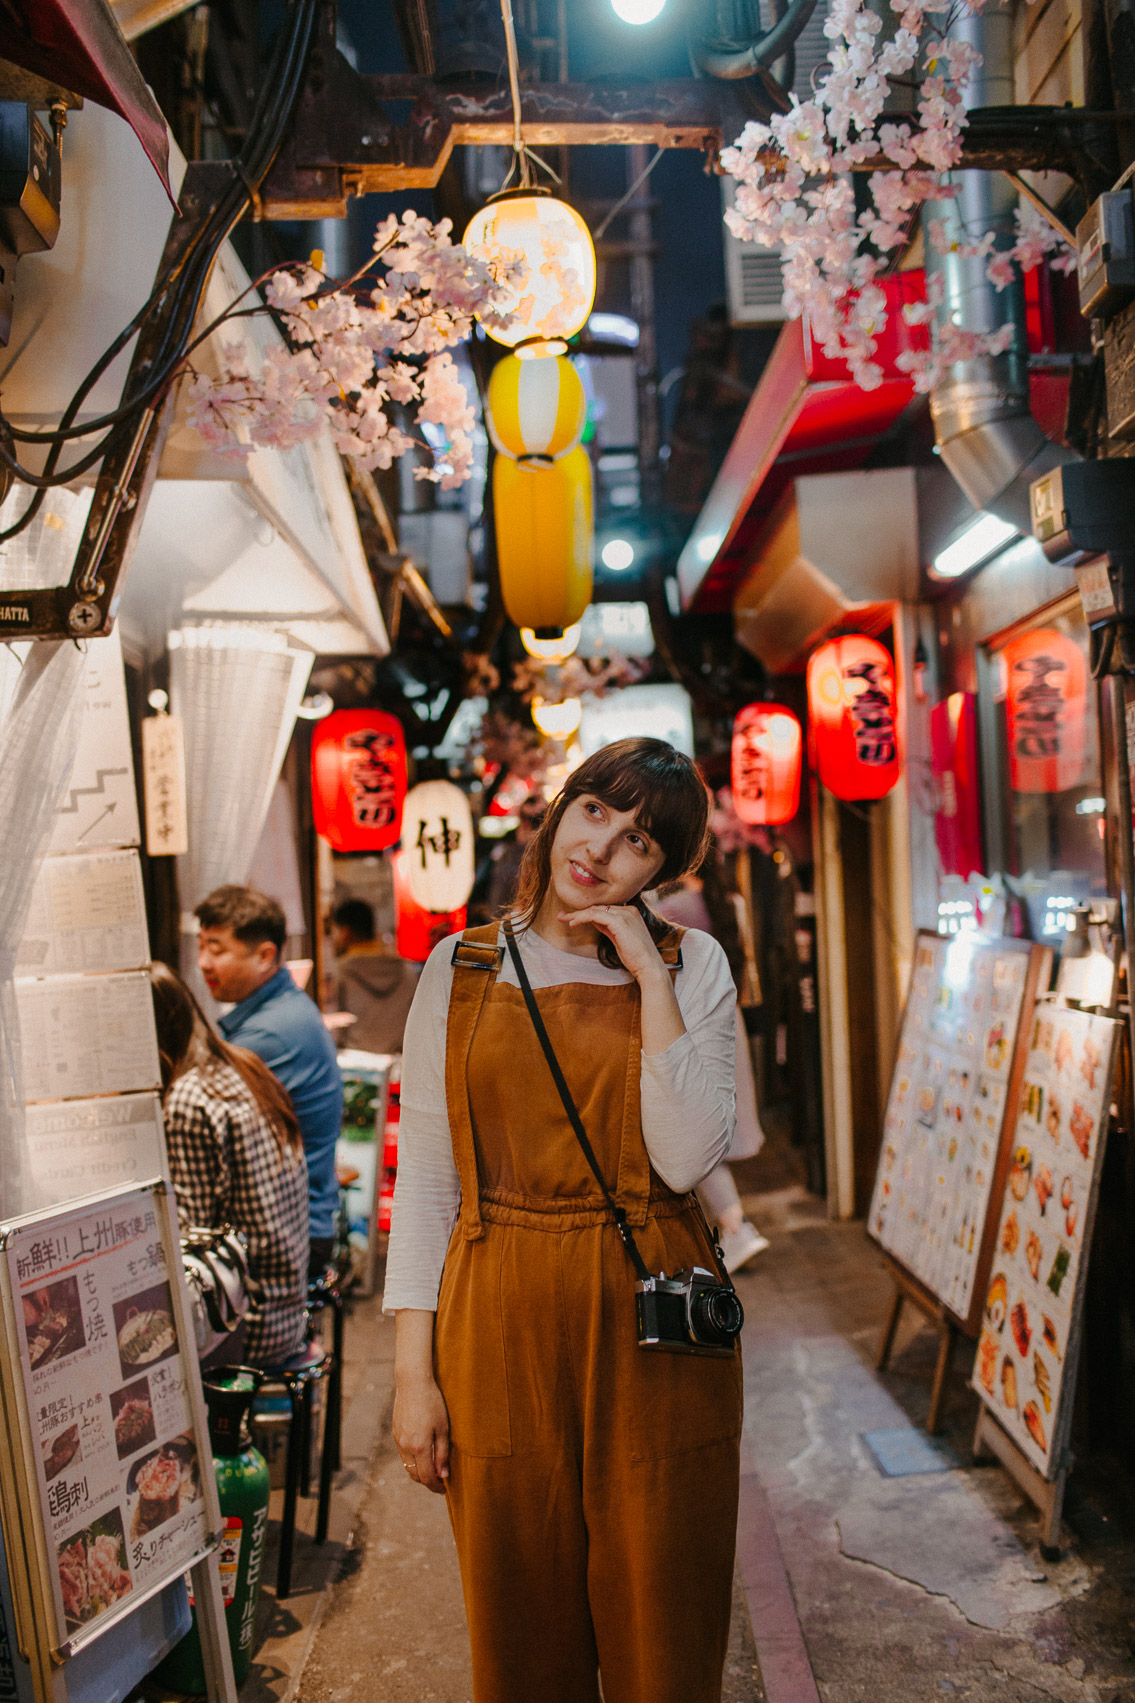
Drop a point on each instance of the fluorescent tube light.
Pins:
(977, 543)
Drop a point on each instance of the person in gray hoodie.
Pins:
(374, 985)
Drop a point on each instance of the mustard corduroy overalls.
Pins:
(593, 1485)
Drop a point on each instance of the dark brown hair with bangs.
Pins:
(670, 799)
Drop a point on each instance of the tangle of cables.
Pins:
(178, 291)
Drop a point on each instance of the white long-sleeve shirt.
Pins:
(687, 1096)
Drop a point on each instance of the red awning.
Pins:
(806, 416)
(78, 44)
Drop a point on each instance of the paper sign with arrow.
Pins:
(99, 805)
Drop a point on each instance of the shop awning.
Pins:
(805, 416)
(78, 44)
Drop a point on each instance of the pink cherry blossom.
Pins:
(337, 366)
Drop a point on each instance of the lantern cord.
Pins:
(520, 162)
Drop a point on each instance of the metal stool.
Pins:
(296, 1379)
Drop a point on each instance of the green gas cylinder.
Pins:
(242, 1483)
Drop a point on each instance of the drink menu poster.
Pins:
(1026, 1355)
(942, 1136)
(117, 1461)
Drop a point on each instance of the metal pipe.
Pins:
(733, 60)
(984, 427)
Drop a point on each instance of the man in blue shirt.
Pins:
(242, 935)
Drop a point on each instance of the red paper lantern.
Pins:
(417, 931)
(767, 741)
(953, 763)
(853, 710)
(358, 779)
(1046, 681)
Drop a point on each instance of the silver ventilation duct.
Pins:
(983, 424)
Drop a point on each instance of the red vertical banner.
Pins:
(1046, 679)
(953, 761)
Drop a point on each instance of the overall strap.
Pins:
(476, 960)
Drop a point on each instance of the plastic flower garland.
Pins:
(795, 191)
(353, 348)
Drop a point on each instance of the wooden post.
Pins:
(1046, 1496)
(935, 1314)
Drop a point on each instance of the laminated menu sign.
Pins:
(87, 913)
(85, 1035)
(76, 1147)
(943, 1129)
(116, 1464)
(1026, 1354)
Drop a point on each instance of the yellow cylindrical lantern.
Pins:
(537, 409)
(553, 301)
(545, 539)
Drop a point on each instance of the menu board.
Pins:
(1025, 1370)
(117, 1455)
(945, 1115)
(85, 1035)
(76, 1147)
(87, 913)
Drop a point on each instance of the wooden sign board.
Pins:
(1025, 1370)
(951, 1111)
(106, 1476)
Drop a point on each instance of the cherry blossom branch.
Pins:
(351, 354)
(795, 191)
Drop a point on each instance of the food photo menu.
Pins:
(117, 1464)
(1025, 1370)
(946, 1110)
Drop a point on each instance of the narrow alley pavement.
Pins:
(860, 1587)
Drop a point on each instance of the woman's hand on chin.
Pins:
(625, 929)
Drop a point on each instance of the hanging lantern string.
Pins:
(522, 154)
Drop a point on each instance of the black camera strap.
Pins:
(574, 1118)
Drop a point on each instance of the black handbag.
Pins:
(221, 1291)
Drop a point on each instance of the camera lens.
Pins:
(719, 1314)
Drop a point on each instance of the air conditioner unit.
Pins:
(753, 274)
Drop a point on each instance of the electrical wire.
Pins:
(634, 188)
(187, 278)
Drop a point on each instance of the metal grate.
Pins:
(752, 275)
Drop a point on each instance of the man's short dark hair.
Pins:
(252, 916)
(356, 916)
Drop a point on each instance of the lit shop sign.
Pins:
(1060, 914)
(957, 916)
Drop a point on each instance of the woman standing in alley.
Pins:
(591, 1479)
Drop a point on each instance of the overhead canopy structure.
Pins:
(78, 45)
(806, 415)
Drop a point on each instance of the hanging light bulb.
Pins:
(554, 299)
(637, 11)
(554, 649)
(558, 721)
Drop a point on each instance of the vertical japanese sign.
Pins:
(117, 1457)
(163, 783)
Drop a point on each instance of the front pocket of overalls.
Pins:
(678, 1402)
(469, 1347)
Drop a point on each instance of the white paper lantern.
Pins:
(437, 837)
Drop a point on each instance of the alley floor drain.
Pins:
(905, 1452)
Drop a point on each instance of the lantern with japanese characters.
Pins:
(853, 711)
(1046, 703)
(417, 931)
(358, 779)
(765, 777)
(437, 837)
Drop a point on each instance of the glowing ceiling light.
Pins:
(617, 554)
(977, 543)
(637, 11)
(557, 721)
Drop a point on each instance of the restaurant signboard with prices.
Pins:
(109, 1477)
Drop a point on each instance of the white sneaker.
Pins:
(740, 1246)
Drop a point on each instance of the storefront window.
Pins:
(1048, 759)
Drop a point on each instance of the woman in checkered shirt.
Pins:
(236, 1158)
